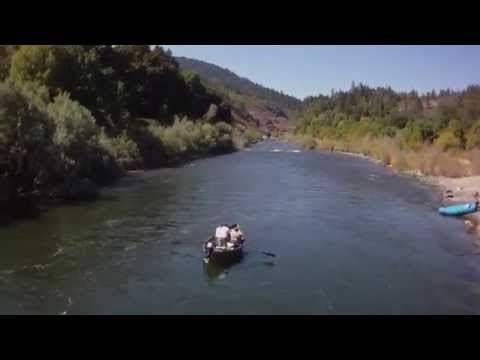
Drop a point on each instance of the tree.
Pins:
(25, 139)
(77, 140)
(44, 64)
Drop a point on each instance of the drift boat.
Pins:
(223, 255)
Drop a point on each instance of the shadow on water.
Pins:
(218, 270)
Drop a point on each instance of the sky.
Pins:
(302, 71)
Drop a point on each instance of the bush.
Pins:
(185, 138)
(447, 140)
(75, 125)
(48, 65)
(77, 140)
(123, 149)
(252, 135)
(25, 138)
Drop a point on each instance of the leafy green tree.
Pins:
(47, 65)
(25, 139)
(77, 140)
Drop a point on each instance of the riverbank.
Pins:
(451, 190)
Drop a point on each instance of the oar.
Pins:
(265, 253)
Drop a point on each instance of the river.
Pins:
(350, 237)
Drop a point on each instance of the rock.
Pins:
(211, 113)
(218, 113)
(469, 226)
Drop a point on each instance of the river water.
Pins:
(349, 237)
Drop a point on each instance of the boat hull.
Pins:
(225, 256)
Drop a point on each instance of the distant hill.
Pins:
(226, 78)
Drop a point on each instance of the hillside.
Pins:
(217, 74)
(436, 134)
(267, 108)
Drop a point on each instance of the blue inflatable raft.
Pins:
(457, 210)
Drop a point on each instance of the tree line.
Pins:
(449, 119)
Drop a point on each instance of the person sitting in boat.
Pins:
(236, 236)
(208, 248)
(221, 235)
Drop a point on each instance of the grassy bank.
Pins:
(424, 159)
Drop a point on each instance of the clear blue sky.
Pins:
(310, 70)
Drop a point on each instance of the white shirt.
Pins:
(221, 232)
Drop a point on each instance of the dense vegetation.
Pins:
(434, 133)
(239, 89)
(73, 117)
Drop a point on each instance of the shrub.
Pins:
(77, 140)
(252, 135)
(123, 149)
(447, 140)
(25, 138)
(186, 138)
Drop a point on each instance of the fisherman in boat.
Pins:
(208, 248)
(221, 235)
(236, 236)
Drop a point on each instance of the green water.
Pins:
(349, 238)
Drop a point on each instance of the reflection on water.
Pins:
(349, 238)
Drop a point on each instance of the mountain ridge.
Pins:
(216, 74)
(266, 109)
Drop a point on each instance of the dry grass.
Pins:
(428, 159)
(474, 157)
